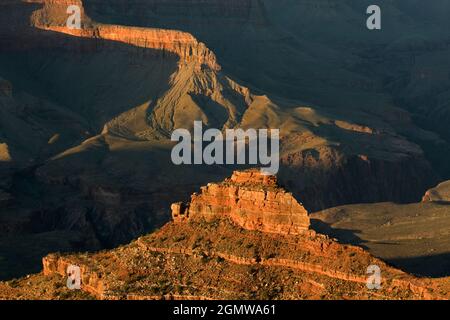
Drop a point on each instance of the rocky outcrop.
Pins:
(53, 17)
(183, 44)
(219, 261)
(250, 199)
(5, 155)
(91, 281)
(440, 193)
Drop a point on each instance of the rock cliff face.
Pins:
(327, 176)
(53, 17)
(251, 200)
(4, 153)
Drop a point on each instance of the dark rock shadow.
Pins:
(47, 217)
(85, 76)
(433, 266)
(344, 236)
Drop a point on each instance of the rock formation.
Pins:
(217, 260)
(331, 154)
(5, 155)
(250, 199)
(440, 193)
(53, 17)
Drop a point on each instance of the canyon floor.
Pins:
(413, 237)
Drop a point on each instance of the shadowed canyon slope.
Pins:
(413, 237)
(86, 115)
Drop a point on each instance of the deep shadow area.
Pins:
(95, 79)
(79, 83)
(433, 266)
(344, 236)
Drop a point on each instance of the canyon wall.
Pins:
(326, 177)
(181, 43)
(251, 200)
(53, 17)
(91, 281)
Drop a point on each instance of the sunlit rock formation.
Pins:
(250, 199)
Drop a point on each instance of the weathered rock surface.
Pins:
(218, 260)
(330, 156)
(53, 17)
(250, 199)
(440, 193)
(5, 155)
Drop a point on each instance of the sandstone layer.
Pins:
(250, 199)
(53, 17)
(92, 147)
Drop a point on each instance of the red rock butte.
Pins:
(250, 199)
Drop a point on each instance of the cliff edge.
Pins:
(53, 17)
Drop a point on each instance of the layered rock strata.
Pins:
(216, 260)
(53, 17)
(251, 200)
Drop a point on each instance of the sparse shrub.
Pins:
(179, 238)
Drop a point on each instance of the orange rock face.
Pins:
(92, 282)
(53, 17)
(251, 200)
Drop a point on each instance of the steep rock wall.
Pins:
(250, 199)
(53, 17)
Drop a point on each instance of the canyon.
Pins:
(53, 17)
(86, 117)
